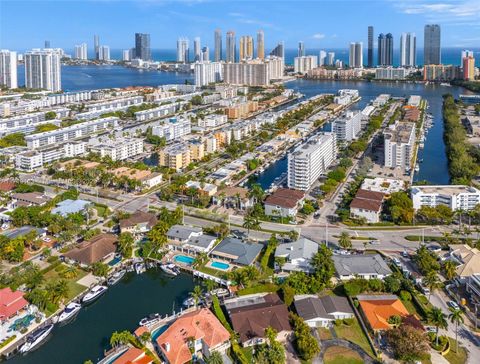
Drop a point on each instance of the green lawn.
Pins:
(454, 357)
(258, 288)
(341, 355)
(410, 306)
(354, 334)
(248, 351)
(324, 333)
(74, 288)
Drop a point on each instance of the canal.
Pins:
(120, 308)
(434, 168)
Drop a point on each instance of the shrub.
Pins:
(348, 321)
(405, 296)
(338, 322)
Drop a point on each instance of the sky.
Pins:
(319, 24)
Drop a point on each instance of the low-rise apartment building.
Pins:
(158, 112)
(173, 129)
(176, 156)
(119, 149)
(456, 197)
(33, 159)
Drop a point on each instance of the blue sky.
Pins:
(320, 24)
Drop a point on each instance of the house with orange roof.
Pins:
(377, 310)
(194, 334)
(11, 303)
(133, 356)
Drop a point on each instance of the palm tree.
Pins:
(432, 282)
(456, 317)
(125, 244)
(209, 285)
(344, 241)
(145, 337)
(250, 222)
(200, 260)
(450, 269)
(214, 358)
(437, 318)
(70, 272)
(196, 294)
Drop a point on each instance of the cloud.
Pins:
(443, 12)
(318, 36)
(244, 19)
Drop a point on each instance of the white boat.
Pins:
(220, 292)
(191, 302)
(94, 293)
(69, 312)
(417, 168)
(150, 319)
(36, 338)
(171, 269)
(140, 268)
(116, 277)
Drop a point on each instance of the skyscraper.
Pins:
(370, 47)
(230, 47)
(431, 45)
(42, 69)
(205, 54)
(279, 51)
(322, 58)
(96, 46)
(260, 44)
(468, 68)
(81, 51)
(182, 50)
(356, 55)
(142, 46)
(385, 49)
(246, 48)
(218, 45)
(104, 53)
(408, 50)
(8, 69)
(47, 44)
(197, 49)
(465, 53)
(301, 49)
(330, 58)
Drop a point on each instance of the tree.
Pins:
(200, 260)
(196, 294)
(272, 352)
(408, 343)
(437, 318)
(400, 207)
(70, 272)
(450, 269)
(322, 263)
(99, 269)
(431, 281)
(456, 317)
(214, 358)
(121, 338)
(145, 337)
(395, 320)
(392, 284)
(344, 240)
(125, 244)
(307, 346)
(250, 222)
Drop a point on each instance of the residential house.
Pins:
(194, 245)
(367, 205)
(206, 189)
(67, 207)
(468, 260)
(284, 202)
(236, 251)
(250, 315)
(198, 333)
(362, 266)
(138, 223)
(297, 255)
(29, 199)
(7, 186)
(11, 303)
(183, 233)
(322, 311)
(233, 197)
(98, 249)
(133, 356)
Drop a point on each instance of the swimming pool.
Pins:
(156, 333)
(220, 265)
(184, 259)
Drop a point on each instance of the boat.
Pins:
(220, 292)
(417, 168)
(191, 302)
(36, 338)
(140, 268)
(94, 293)
(171, 269)
(116, 277)
(150, 319)
(69, 312)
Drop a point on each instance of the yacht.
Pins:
(116, 277)
(191, 302)
(171, 269)
(150, 319)
(94, 293)
(69, 312)
(140, 268)
(36, 338)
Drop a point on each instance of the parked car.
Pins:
(453, 305)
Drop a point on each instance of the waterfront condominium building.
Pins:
(408, 50)
(347, 127)
(231, 47)
(322, 58)
(218, 45)
(455, 197)
(331, 59)
(104, 53)
(391, 73)
(96, 46)
(310, 160)
(254, 72)
(370, 47)
(468, 68)
(246, 48)
(399, 145)
(304, 64)
(431, 45)
(43, 69)
(441, 72)
(465, 53)
(260, 44)
(205, 54)
(126, 55)
(142, 46)
(182, 50)
(356, 55)
(8, 68)
(81, 51)
(385, 49)
(279, 50)
(301, 49)
(197, 49)
(208, 72)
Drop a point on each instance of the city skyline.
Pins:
(43, 20)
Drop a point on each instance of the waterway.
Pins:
(120, 308)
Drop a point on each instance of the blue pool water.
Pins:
(184, 259)
(114, 261)
(158, 332)
(220, 265)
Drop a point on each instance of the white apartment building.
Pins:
(104, 53)
(355, 57)
(69, 133)
(345, 96)
(305, 63)
(8, 68)
(391, 73)
(81, 51)
(173, 129)
(207, 73)
(253, 73)
(43, 69)
(456, 197)
(119, 149)
(115, 103)
(310, 160)
(213, 121)
(381, 100)
(347, 127)
(399, 145)
(69, 97)
(211, 144)
(158, 112)
(34, 159)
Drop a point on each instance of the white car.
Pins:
(46, 239)
(453, 305)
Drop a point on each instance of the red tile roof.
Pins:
(368, 200)
(133, 356)
(11, 302)
(6, 186)
(379, 311)
(285, 197)
(370, 195)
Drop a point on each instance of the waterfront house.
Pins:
(11, 303)
(67, 207)
(100, 248)
(133, 356)
(322, 311)
(183, 233)
(297, 255)
(468, 260)
(236, 251)
(361, 266)
(197, 333)
(250, 315)
(29, 199)
(284, 202)
(196, 244)
(138, 223)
